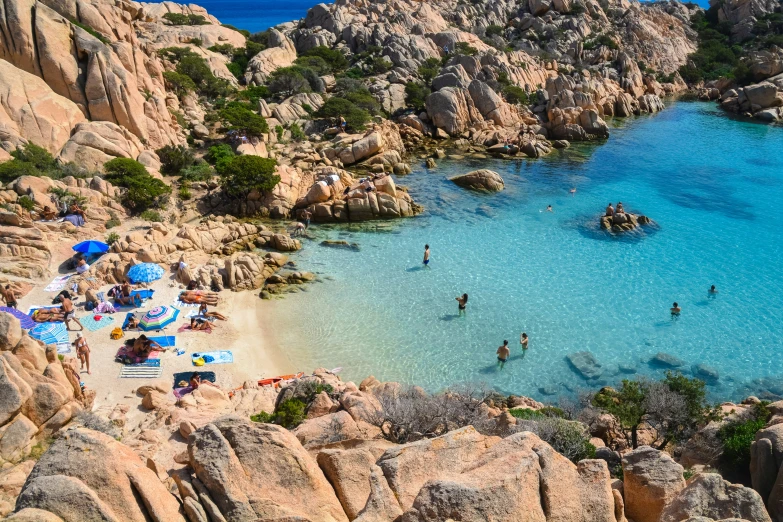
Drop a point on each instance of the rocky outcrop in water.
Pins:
(480, 180)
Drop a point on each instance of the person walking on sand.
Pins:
(70, 314)
(523, 340)
(675, 309)
(463, 303)
(9, 296)
(426, 255)
(503, 353)
(83, 352)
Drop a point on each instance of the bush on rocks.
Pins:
(142, 190)
(355, 117)
(736, 437)
(415, 95)
(185, 19)
(243, 174)
(174, 159)
(243, 120)
(333, 58)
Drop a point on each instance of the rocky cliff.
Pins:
(347, 457)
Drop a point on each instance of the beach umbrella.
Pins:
(50, 333)
(91, 247)
(158, 318)
(145, 273)
(26, 321)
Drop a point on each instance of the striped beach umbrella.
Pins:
(145, 273)
(26, 321)
(50, 333)
(158, 318)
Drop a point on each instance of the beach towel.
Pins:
(164, 340)
(185, 376)
(218, 357)
(63, 348)
(182, 304)
(144, 293)
(125, 355)
(186, 328)
(127, 318)
(44, 307)
(92, 325)
(140, 372)
(58, 283)
(195, 315)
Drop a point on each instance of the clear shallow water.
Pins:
(257, 15)
(714, 187)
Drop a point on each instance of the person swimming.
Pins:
(462, 302)
(549, 208)
(503, 353)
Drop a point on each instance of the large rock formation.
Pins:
(708, 495)
(651, 479)
(480, 180)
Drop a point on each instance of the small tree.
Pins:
(515, 95)
(243, 174)
(355, 117)
(179, 83)
(465, 49)
(416, 95)
(143, 191)
(288, 81)
(174, 159)
(429, 70)
(493, 30)
(240, 118)
(335, 60)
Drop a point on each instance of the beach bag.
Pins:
(117, 333)
(89, 306)
(198, 362)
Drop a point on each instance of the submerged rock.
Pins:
(586, 364)
(340, 244)
(667, 360)
(483, 180)
(705, 373)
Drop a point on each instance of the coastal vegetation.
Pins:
(142, 191)
(240, 175)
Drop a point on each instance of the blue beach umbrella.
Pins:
(91, 247)
(25, 320)
(145, 273)
(50, 333)
(158, 318)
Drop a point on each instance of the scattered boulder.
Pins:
(708, 495)
(483, 180)
(651, 479)
(667, 360)
(585, 364)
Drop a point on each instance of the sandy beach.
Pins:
(246, 333)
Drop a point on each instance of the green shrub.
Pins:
(254, 93)
(196, 68)
(333, 58)
(113, 222)
(26, 203)
(243, 32)
(465, 49)
(10, 170)
(355, 117)
(185, 19)
(493, 30)
(38, 156)
(416, 95)
(602, 39)
(429, 70)
(290, 413)
(217, 153)
(198, 172)
(528, 414)
(279, 131)
(152, 215)
(174, 158)
(112, 238)
(315, 63)
(241, 119)
(737, 436)
(296, 79)
(90, 30)
(515, 95)
(243, 174)
(184, 192)
(296, 132)
(143, 191)
(179, 83)
(263, 417)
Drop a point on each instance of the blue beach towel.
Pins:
(218, 357)
(165, 340)
(144, 294)
(127, 319)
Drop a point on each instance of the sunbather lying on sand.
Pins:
(202, 311)
(198, 297)
(201, 324)
(143, 346)
(133, 322)
(48, 315)
(195, 381)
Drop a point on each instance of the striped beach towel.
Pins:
(92, 325)
(140, 372)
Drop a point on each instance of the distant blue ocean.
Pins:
(257, 15)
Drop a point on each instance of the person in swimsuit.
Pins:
(69, 313)
(503, 353)
(675, 309)
(713, 291)
(549, 208)
(133, 323)
(202, 311)
(620, 207)
(195, 381)
(463, 303)
(143, 346)
(48, 214)
(523, 340)
(306, 217)
(9, 296)
(426, 255)
(609, 210)
(201, 324)
(83, 351)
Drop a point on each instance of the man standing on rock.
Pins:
(70, 314)
(8, 296)
(503, 353)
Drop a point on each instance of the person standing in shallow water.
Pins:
(463, 303)
(675, 309)
(713, 292)
(503, 353)
(426, 255)
(523, 340)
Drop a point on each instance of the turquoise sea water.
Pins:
(713, 186)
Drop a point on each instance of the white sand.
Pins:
(244, 333)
